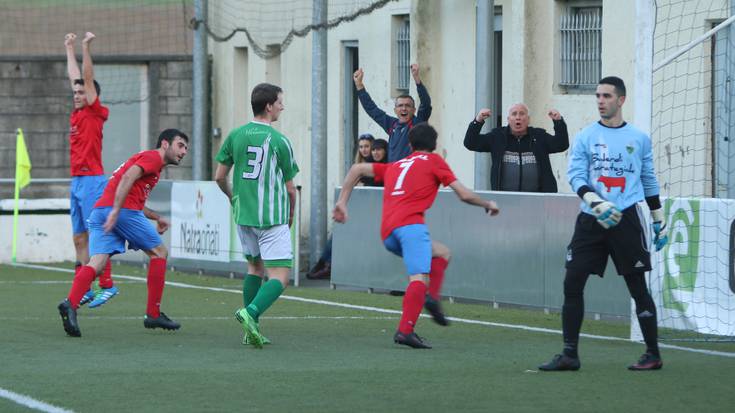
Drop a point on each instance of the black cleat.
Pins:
(162, 321)
(434, 308)
(411, 340)
(69, 318)
(561, 362)
(647, 362)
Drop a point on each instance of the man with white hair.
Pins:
(520, 153)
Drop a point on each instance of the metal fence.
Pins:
(403, 55)
(581, 46)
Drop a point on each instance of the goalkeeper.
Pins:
(611, 169)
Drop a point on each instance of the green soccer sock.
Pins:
(267, 295)
(250, 287)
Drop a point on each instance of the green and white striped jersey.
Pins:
(263, 163)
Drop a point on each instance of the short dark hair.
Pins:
(616, 82)
(96, 85)
(263, 94)
(380, 144)
(423, 137)
(169, 135)
(405, 97)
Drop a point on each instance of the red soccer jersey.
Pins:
(85, 139)
(151, 163)
(411, 185)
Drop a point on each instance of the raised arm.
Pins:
(476, 141)
(469, 197)
(560, 141)
(424, 111)
(378, 115)
(72, 67)
(87, 69)
(353, 177)
(123, 188)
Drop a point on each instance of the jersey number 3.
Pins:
(256, 163)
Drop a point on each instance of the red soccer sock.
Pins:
(106, 276)
(156, 281)
(436, 277)
(82, 281)
(413, 302)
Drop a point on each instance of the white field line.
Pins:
(287, 317)
(388, 311)
(56, 282)
(30, 402)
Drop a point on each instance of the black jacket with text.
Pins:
(542, 144)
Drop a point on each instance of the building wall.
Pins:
(443, 44)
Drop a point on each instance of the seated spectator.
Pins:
(379, 152)
(365, 147)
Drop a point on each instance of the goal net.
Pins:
(692, 131)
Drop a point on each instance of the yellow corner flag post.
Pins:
(22, 179)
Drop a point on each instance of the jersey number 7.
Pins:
(405, 166)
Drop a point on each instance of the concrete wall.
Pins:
(516, 257)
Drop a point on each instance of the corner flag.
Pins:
(22, 179)
(22, 162)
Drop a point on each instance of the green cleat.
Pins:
(246, 342)
(250, 327)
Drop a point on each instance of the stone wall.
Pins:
(36, 96)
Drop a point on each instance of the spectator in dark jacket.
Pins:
(520, 153)
(405, 108)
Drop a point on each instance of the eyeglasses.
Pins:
(366, 136)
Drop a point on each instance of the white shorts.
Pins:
(272, 245)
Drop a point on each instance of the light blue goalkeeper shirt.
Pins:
(617, 163)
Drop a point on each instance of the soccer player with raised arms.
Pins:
(263, 197)
(411, 185)
(121, 216)
(85, 147)
(611, 169)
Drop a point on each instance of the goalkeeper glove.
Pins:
(661, 237)
(607, 214)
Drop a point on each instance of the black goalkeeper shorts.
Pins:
(627, 243)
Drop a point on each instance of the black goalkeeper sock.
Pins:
(645, 309)
(572, 312)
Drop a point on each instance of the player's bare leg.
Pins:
(81, 247)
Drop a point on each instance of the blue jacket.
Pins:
(398, 147)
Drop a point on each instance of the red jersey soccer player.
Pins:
(120, 216)
(85, 144)
(411, 185)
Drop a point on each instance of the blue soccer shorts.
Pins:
(85, 191)
(132, 226)
(412, 242)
